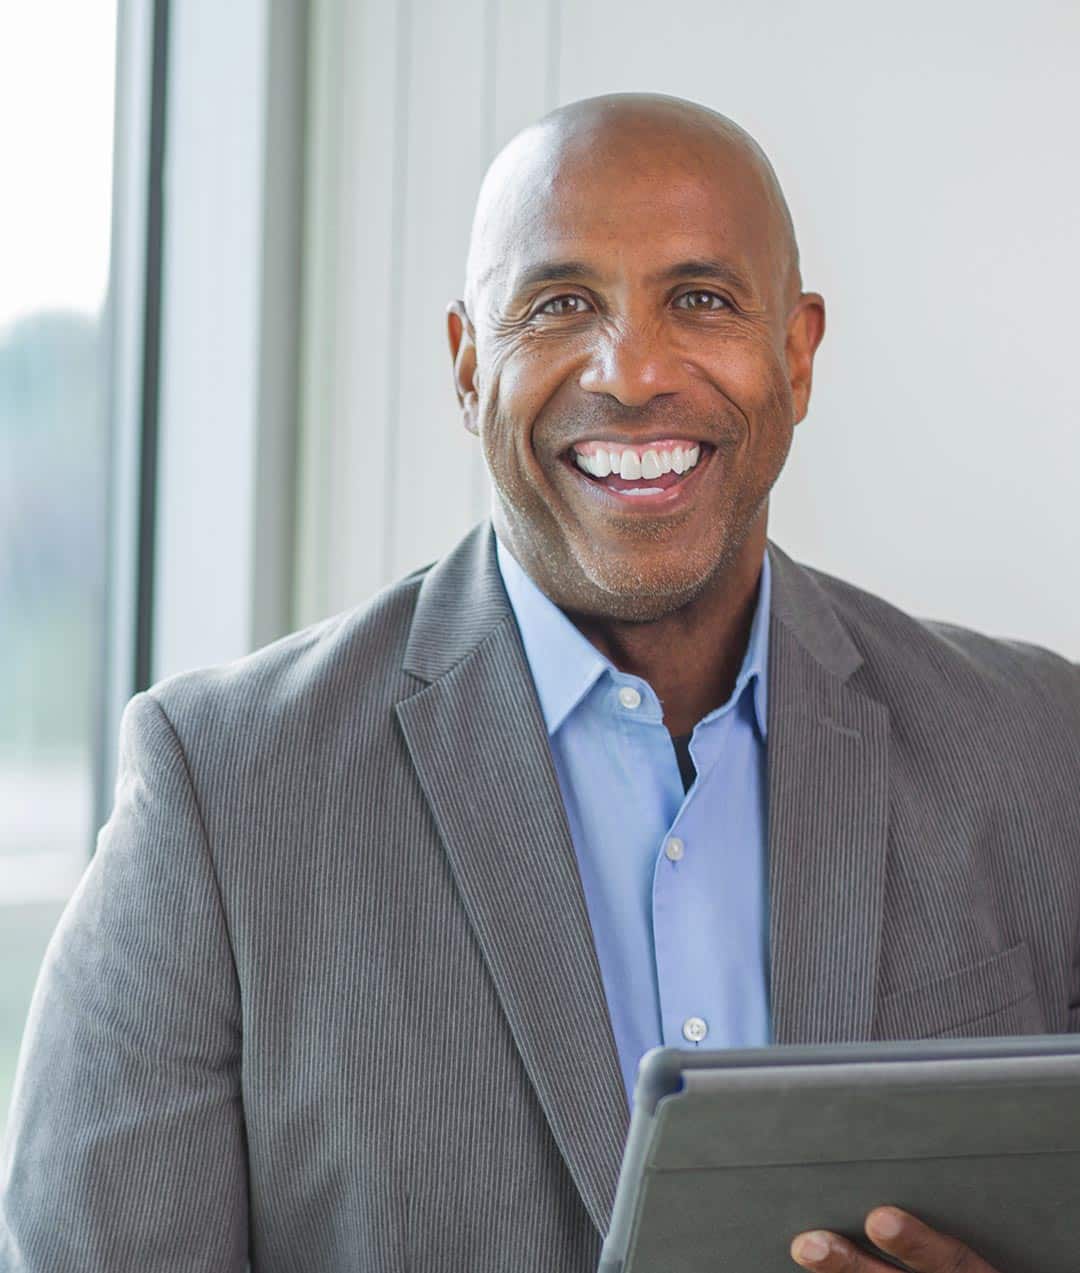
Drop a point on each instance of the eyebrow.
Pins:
(544, 272)
(553, 272)
(705, 267)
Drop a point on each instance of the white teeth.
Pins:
(644, 490)
(650, 465)
(630, 468)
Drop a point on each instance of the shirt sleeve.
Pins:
(125, 1145)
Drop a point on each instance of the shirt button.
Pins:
(694, 1029)
(629, 697)
(674, 849)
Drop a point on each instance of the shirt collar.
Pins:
(565, 665)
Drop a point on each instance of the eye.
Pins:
(701, 300)
(564, 306)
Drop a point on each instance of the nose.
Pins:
(633, 366)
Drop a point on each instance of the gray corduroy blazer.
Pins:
(326, 998)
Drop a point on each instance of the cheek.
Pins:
(752, 374)
(507, 411)
(754, 379)
(518, 385)
(527, 377)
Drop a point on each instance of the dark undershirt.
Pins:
(686, 765)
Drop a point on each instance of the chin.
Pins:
(634, 597)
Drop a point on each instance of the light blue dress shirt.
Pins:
(676, 885)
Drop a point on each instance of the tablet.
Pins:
(731, 1154)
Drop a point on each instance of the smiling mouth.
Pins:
(648, 472)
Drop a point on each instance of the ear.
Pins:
(805, 329)
(462, 338)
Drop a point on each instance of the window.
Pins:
(57, 70)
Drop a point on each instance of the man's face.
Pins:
(638, 302)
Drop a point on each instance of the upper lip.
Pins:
(659, 437)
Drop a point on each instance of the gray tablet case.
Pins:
(730, 1154)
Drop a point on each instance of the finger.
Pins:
(923, 1249)
(827, 1253)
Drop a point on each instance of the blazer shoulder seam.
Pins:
(204, 833)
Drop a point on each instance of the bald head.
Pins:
(606, 141)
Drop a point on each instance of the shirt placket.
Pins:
(688, 1009)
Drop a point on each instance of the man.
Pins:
(386, 913)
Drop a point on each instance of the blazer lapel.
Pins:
(478, 741)
(828, 819)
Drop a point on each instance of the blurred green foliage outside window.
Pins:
(56, 127)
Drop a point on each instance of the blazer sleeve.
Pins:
(125, 1146)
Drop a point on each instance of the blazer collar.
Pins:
(477, 740)
(803, 608)
(462, 602)
(828, 766)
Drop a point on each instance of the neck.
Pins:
(691, 657)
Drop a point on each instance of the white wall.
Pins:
(925, 150)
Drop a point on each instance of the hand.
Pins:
(921, 1248)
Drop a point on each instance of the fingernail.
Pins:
(812, 1248)
(886, 1224)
